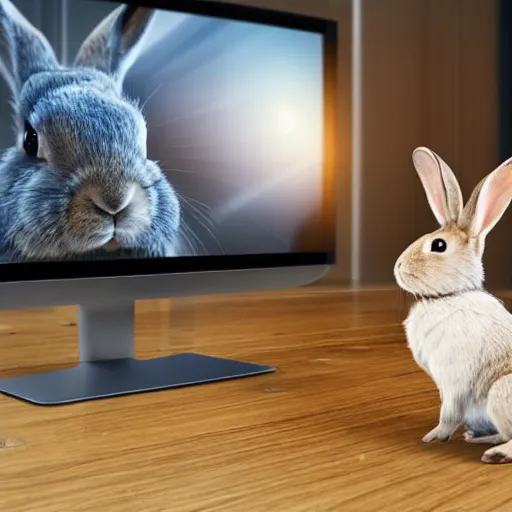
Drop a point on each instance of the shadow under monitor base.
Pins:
(108, 378)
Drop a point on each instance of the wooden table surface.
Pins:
(337, 428)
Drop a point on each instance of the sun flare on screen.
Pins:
(286, 121)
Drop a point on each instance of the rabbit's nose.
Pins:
(116, 203)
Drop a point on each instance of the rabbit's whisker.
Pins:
(198, 203)
(149, 98)
(184, 171)
(201, 217)
(190, 236)
(400, 305)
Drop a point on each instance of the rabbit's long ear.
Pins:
(440, 184)
(24, 51)
(488, 202)
(112, 46)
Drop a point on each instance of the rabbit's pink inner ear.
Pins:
(429, 172)
(493, 200)
(115, 43)
(453, 193)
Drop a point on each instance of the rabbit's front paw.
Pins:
(439, 433)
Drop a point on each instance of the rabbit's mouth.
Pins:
(405, 279)
(112, 245)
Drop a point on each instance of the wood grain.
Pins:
(338, 428)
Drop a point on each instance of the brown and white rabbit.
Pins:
(459, 333)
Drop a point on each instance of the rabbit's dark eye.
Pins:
(30, 142)
(438, 245)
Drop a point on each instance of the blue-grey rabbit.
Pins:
(79, 183)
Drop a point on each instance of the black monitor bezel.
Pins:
(58, 270)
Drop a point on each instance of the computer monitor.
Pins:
(158, 149)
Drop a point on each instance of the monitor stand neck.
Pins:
(106, 331)
(108, 368)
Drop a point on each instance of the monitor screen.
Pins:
(131, 132)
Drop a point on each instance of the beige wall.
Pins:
(430, 78)
(429, 72)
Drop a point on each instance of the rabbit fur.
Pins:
(90, 190)
(460, 334)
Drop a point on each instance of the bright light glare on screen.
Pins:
(286, 120)
(238, 113)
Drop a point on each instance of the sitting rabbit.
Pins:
(79, 181)
(459, 333)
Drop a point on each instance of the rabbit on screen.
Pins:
(79, 182)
